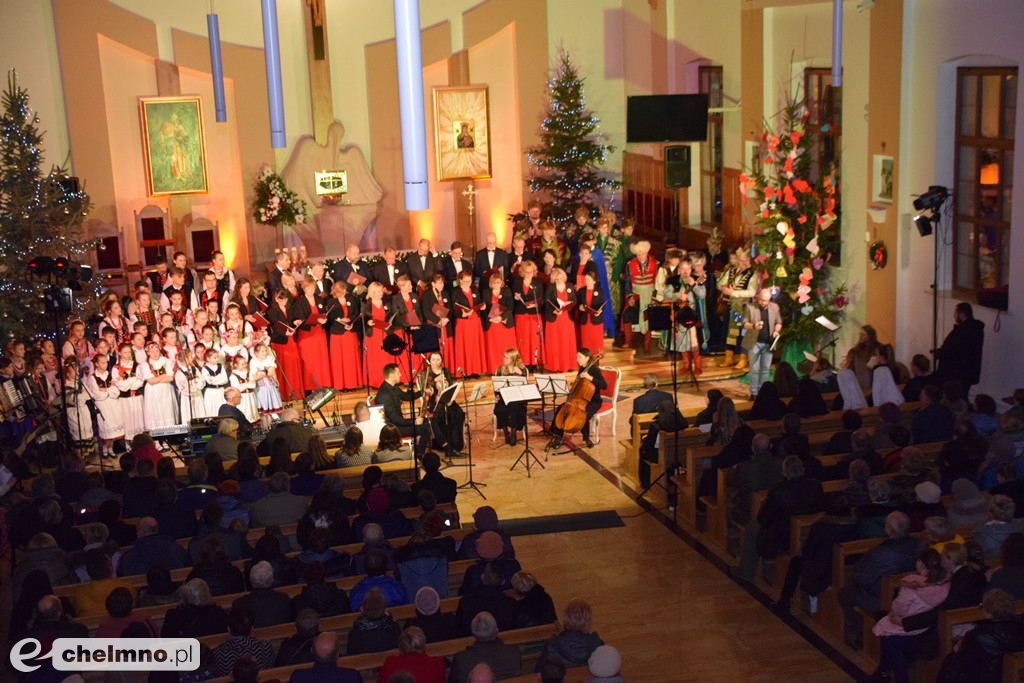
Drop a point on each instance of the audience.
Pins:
(980, 655)
(298, 647)
(266, 605)
(90, 598)
(325, 667)
(604, 665)
(1010, 574)
(374, 630)
(213, 566)
(444, 488)
(503, 660)
(376, 577)
(533, 606)
(487, 596)
(151, 548)
(574, 645)
(241, 642)
(196, 615)
(119, 606)
(1001, 523)
(279, 506)
(969, 506)
(437, 626)
(413, 659)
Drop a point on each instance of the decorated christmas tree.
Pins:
(565, 163)
(39, 217)
(796, 231)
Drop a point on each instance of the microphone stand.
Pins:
(366, 351)
(539, 311)
(470, 484)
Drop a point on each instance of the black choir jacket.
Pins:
(551, 302)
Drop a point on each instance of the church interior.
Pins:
(894, 87)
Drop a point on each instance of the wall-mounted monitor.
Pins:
(667, 118)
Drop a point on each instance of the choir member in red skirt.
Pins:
(408, 316)
(529, 297)
(559, 330)
(289, 366)
(310, 337)
(246, 300)
(470, 350)
(590, 312)
(342, 323)
(433, 300)
(378, 317)
(498, 323)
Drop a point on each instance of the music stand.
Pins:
(473, 399)
(499, 382)
(556, 385)
(523, 393)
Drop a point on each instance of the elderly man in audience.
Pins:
(212, 526)
(289, 429)
(760, 473)
(897, 554)
(325, 667)
(373, 539)
(151, 547)
(267, 606)
(225, 444)
(369, 424)
(199, 490)
(241, 642)
(489, 597)
(503, 660)
(119, 606)
(52, 622)
(991, 535)
(980, 655)
(873, 515)
(280, 506)
(768, 535)
(196, 615)
(298, 648)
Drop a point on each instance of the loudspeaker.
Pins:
(677, 166)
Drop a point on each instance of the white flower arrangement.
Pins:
(274, 203)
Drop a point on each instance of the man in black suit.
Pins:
(422, 265)
(352, 264)
(452, 265)
(516, 257)
(390, 397)
(282, 264)
(649, 401)
(487, 258)
(388, 271)
(323, 283)
(290, 429)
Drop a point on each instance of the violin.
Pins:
(572, 416)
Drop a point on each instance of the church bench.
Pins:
(528, 640)
(575, 674)
(639, 424)
(456, 572)
(352, 476)
(1013, 667)
(140, 580)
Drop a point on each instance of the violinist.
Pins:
(346, 363)
(390, 397)
(510, 418)
(588, 372)
(445, 420)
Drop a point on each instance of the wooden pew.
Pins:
(1013, 667)
(456, 572)
(353, 476)
(639, 424)
(140, 580)
(525, 638)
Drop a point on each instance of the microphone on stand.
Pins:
(460, 372)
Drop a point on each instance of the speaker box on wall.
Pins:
(677, 166)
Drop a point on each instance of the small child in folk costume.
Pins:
(264, 372)
(209, 338)
(233, 320)
(686, 292)
(641, 272)
(76, 344)
(51, 365)
(241, 380)
(231, 348)
(170, 348)
(213, 309)
(159, 407)
(115, 320)
(190, 383)
(77, 409)
(102, 389)
(15, 353)
(130, 386)
(139, 347)
(194, 334)
(144, 313)
(216, 378)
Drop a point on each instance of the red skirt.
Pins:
(346, 362)
(590, 337)
(470, 351)
(289, 370)
(316, 363)
(447, 348)
(527, 338)
(560, 345)
(376, 359)
(499, 340)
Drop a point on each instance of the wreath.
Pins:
(879, 255)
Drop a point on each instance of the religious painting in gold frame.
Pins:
(174, 145)
(462, 132)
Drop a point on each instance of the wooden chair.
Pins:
(609, 401)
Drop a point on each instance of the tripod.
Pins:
(470, 484)
(527, 456)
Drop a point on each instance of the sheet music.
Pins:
(552, 384)
(826, 323)
(522, 392)
(478, 392)
(501, 381)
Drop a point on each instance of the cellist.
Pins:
(587, 372)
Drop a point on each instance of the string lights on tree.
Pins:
(565, 164)
(41, 215)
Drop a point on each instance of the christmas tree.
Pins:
(39, 217)
(796, 231)
(565, 162)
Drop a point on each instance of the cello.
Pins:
(572, 416)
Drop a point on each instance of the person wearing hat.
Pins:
(927, 503)
(485, 519)
(490, 551)
(970, 506)
(435, 625)
(604, 665)
(229, 495)
(379, 511)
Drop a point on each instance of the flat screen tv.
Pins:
(667, 118)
